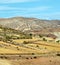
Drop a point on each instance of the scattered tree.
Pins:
(44, 39)
(25, 42)
(58, 41)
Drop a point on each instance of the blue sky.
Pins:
(43, 9)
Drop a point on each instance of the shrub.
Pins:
(58, 54)
(37, 46)
(25, 42)
(45, 48)
(35, 57)
(27, 58)
(40, 36)
(33, 54)
(1, 57)
(50, 60)
(19, 55)
(5, 57)
(58, 41)
(17, 48)
(31, 58)
(44, 39)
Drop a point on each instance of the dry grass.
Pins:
(22, 40)
(43, 47)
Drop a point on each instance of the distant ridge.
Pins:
(27, 25)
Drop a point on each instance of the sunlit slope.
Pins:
(42, 46)
(33, 46)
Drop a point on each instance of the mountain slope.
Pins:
(31, 24)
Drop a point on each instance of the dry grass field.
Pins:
(27, 40)
(40, 45)
(35, 52)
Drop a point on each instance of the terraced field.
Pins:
(33, 46)
(41, 46)
(27, 40)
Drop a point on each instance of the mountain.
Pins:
(31, 24)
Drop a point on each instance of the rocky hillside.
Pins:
(31, 24)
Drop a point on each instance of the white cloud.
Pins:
(31, 9)
(6, 8)
(14, 1)
(41, 8)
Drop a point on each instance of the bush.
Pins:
(58, 41)
(44, 39)
(40, 36)
(5, 57)
(17, 48)
(37, 46)
(25, 42)
(50, 60)
(1, 57)
(19, 55)
(58, 54)
(45, 48)
(35, 57)
(27, 58)
(33, 54)
(31, 58)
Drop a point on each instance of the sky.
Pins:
(42, 9)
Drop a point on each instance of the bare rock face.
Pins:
(31, 24)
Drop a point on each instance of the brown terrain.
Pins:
(33, 25)
(29, 41)
(32, 61)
